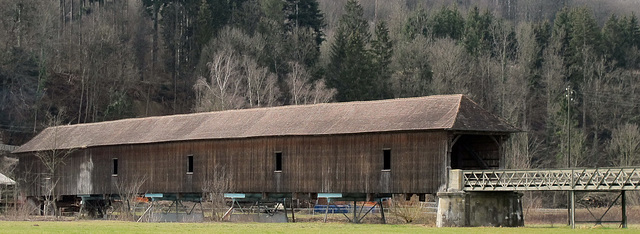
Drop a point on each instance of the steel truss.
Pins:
(579, 179)
(619, 179)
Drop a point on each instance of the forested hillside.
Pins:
(556, 69)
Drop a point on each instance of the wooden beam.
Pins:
(384, 220)
(455, 139)
(284, 207)
(501, 153)
(476, 157)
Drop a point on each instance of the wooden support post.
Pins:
(326, 211)
(623, 203)
(448, 159)
(501, 163)
(239, 207)
(145, 212)
(355, 212)
(81, 209)
(284, 207)
(384, 220)
(192, 208)
(229, 211)
(572, 218)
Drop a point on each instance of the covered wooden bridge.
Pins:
(360, 150)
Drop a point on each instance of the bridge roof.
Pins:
(442, 112)
(4, 180)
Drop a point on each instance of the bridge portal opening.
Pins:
(476, 152)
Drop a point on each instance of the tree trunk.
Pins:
(154, 46)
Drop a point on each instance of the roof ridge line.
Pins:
(455, 119)
(258, 109)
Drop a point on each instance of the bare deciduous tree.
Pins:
(624, 145)
(448, 63)
(579, 151)
(302, 91)
(262, 88)
(320, 93)
(222, 89)
(235, 83)
(553, 80)
(412, 76)
(7, 166)
(408, 210)
(297, 81)
(521, 149)
(217, 183)
(52, 160)
(129, 191)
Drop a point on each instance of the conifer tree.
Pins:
(204, 24)
(561, 32)
(584, 34)
(305, 14)
(614, 40)
(477, 38)
(416, 24)
(350, 63)
(448, 23)
(635, 29)
(382, 51)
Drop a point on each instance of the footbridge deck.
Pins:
(576, 179)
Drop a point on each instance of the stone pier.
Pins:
(457, 208)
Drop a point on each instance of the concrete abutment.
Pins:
(457, 208)
(474, 209)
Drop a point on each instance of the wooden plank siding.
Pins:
(347, 163)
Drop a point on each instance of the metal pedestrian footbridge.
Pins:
(575, 179)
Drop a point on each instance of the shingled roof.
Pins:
(446, 112)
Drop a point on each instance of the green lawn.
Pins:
(131, 227)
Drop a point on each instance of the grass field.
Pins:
(131, 227)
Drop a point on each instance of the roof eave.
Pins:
(484, 132)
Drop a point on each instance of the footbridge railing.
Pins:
(577, 179)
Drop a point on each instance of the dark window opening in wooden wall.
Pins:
(190, 164)
(386, 165)
(114, 172)
(278, 161)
